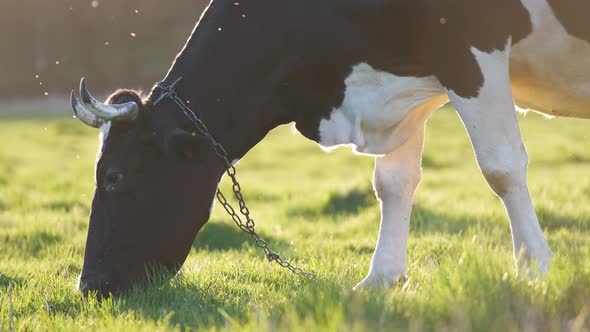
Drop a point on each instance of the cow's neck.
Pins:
(236, 128)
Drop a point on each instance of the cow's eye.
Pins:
(113, 180)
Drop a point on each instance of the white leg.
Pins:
(493, 128)
(396, 176)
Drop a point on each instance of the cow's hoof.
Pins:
(374, 282)
(534, 266)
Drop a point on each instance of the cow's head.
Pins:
(155, 183)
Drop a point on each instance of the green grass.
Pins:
(317, 209)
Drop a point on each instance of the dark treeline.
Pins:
(47, 45)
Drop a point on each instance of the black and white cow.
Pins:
(364, 73)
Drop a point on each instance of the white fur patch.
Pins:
(102, 137)
(380, 110)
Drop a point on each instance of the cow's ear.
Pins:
(184, 145)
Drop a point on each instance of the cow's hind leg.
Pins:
(491, 122)
(396, 176)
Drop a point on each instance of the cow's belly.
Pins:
(380, 110)
(550, 69)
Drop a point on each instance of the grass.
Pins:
(317, 209)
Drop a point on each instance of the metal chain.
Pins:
(249, 225)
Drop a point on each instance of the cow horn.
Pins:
(126, 111)
(83, 114)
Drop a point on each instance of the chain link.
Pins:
(249, 225)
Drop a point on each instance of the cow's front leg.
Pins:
(490, 119)
(396, 176)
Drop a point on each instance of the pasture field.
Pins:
(317, 209)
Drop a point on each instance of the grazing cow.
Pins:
(364, 73)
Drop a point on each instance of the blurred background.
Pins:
(47, 45)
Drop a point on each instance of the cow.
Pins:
(361, 73)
